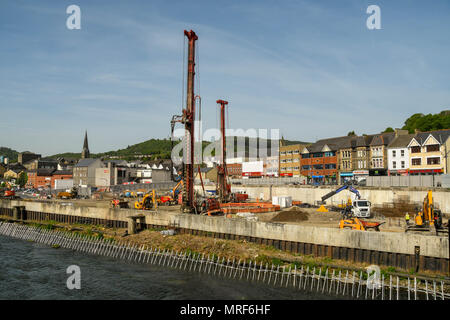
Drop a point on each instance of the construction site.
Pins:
(345, 223)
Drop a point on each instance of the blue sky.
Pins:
(309, 68)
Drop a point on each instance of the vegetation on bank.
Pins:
(428, 122)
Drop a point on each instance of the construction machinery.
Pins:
(358, 208)
(172, 197)
(223, 187)
(428, 217)
(73, 193)
(358, 224)
(191, 202)
(119, 203)
(8, 193)
(148, 202)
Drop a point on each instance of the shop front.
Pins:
(403, 172)
(425, 172)
(359, 175)
(378, 172)
(317, 179)
(345, 176)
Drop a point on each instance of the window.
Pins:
(416, 162)
(394, 164)
(402, 153)
(433, 148)
(415, 150)
(435, 160)
(318, 167)
(318, 155)
(393, 153)
(330, 154)
(403, 164)
(305, 167)
(306, 156)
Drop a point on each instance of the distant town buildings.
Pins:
(326, 161)
(85, 154)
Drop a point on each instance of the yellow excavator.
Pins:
(148, 202)
(172, 197)
(428, 217)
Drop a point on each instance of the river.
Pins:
(34, 271)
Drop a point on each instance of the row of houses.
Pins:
(333, 160)
(88, 172)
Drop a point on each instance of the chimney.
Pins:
(400, 132)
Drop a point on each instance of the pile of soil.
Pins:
(294, 214)
(396, 209)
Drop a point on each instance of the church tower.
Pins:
(85, 153)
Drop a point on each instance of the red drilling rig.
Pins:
(223, 188)
(191, 202)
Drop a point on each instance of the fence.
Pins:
(404, 181)
(270, 181)
(315, 280)
(148, 186)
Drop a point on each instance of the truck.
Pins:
(358, 208)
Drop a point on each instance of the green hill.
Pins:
(10, 153)
(158, 149)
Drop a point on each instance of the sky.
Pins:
(311, 69)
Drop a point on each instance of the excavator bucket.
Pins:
(322, 209)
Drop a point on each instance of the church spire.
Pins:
(85, 153)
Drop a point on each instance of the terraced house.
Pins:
(428, 153)
(398, 155)
(378, 153)
(289, 160)
(319, 161)
(354, 158)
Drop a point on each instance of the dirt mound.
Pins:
(294, 214)
(396, 209)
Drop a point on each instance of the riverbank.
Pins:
(222, 249)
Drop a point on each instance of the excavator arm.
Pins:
(345, 187)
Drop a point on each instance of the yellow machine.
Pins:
(353, 223)
(148, 202)
(172, 197)
(357, 224)
(428, 216)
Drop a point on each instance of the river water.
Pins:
(30, 270)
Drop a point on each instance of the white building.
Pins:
(398, 155)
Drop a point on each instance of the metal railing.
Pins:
(341, 283)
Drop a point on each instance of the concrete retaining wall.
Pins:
(378, 197)
(431, 246)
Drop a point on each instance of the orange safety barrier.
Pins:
(254, 207)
